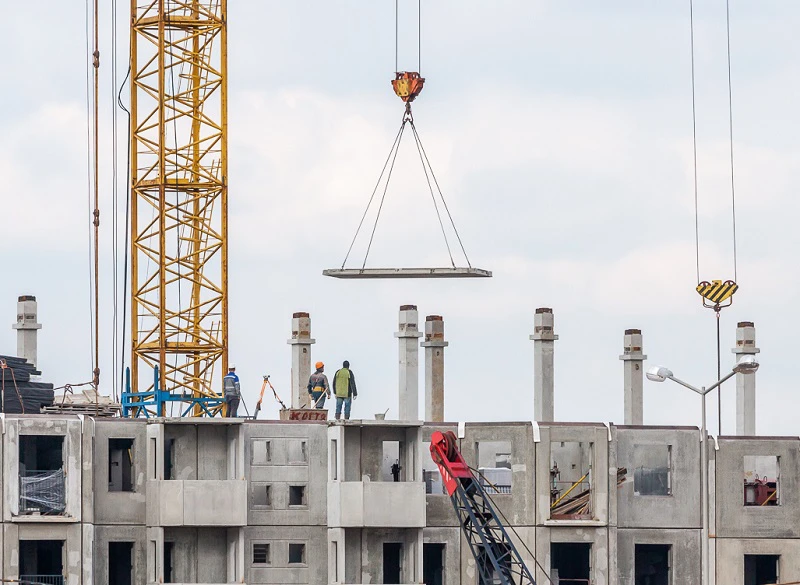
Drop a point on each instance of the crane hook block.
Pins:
(717, 291)
(407, 85)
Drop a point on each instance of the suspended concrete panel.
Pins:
(407, 273)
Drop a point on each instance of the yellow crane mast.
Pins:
(179, 252)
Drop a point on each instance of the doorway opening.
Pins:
(392, 562)
(652, 564)
(761, 569)
(120, 563)
(433, 563)
(571, 563)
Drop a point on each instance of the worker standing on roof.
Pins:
(318, 387)
(344, 387)
(232, 392)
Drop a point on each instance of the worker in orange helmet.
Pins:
(318, 387)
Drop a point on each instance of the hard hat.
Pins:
(319, 365)
(232, 367)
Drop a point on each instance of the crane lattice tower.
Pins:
(179, 196)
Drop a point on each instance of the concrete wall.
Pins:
(682, 508)
(287, 464)
(734, 519)
(70, 533)
(279, 571)
(118, 507)
(731, 551)
(684, 550)
(103, 535)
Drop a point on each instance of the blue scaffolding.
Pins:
(153, 403)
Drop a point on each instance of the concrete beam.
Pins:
(543, 381)
(407, 334)
(27, 327)
(745, 383)
(301, 343)
(434, 345)
(633, 360)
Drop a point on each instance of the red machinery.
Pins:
(497, 559)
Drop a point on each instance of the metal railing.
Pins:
(41, 579)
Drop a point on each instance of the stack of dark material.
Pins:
(19, 394)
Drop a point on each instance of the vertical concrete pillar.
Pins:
(27, 327)
(408, 335)
(543, 345)
(633, 360)
(301, 343)
(434, 345)
(745, 383)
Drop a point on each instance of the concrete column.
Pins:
(301, 343)
(633, 360)
(407, 335)
(434, 345)
(745, 383)
(543, 345)
(27, 327)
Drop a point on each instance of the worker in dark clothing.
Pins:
(318, 387)
(396, 467)
(344, 387)
(231, 391)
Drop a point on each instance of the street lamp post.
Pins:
(746, 365)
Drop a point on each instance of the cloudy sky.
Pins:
(561, 135)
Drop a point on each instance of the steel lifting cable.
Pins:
(730, 128)
(694, 142)
(446, 208)
(375, 190)
(385, 189)
(433, 197)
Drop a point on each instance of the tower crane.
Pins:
(179, 200)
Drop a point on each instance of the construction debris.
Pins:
(579, 506)
(88, 402)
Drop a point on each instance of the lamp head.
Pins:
(746, 365)
(658, 373)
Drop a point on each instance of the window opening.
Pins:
(120, 563)
(169, 548)
(653, 473)
(335, 558)
(392, 467)
(169, 458)
(571, 563)
(41, 561)
(261, 553)
(392, 562)
(262, 495)
(41, 474)
(261, 452)
(652, 564)
(334, 460)
(433, 563)
(297, 495)
(761, 569)
(120, 465)
(297, 553)
(494, 465)
(297, 452)
(571, 480)
(762, 480)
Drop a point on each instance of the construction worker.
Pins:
(232, 392)
(318, 387)
(344, 386)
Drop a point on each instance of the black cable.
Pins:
(89, 178)
(375, 190)
(114, 196)
(419, 37)
(127, 227)
(441, 196)
(396, 34)
(385, 189)
(730, 126)
(719, 377)
(694, 142)
(433, 197)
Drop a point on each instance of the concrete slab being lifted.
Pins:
(376, 273)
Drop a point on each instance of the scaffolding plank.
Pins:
(377, 273)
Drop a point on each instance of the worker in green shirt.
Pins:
(344, 388)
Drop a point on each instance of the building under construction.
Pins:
(104, 499)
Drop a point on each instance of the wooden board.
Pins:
(304, 414)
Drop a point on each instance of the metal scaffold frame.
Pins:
(179, 260)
